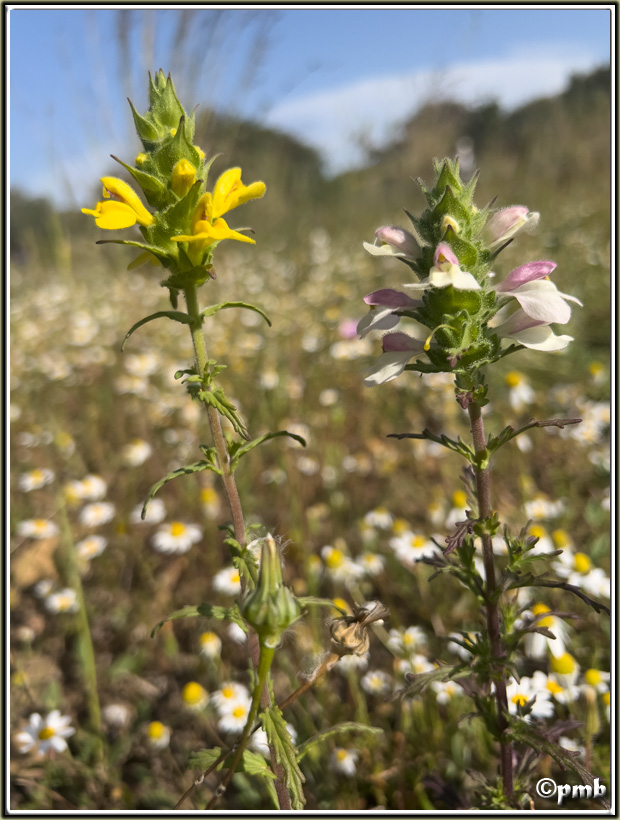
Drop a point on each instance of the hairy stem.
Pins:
(483, 486)
(234, 503)
(264, 664)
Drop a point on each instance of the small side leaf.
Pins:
(205, 610)
(285, 753)
(175, 315)
(239, 452)
(222, 305)
(197, 467)
(349, 726)
(205, 758)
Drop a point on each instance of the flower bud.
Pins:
(183, 177)
(506, 223)
(271, 607)
(399, 238)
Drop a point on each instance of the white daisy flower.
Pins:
(376, 683)
(544, 543)
(43, 588)
(158, 735)
(136, 452)
(371, 563)
(339, 566)
(520, 394)
(409, 547)
(563, 692)
(91, 488)
(65, 600)
(229, 695)
(91, 547)
(258, 740)
(155, 512)
(210, 645)
(194, 696)
(537, 645)
(408, 641)
(45, 734)
(520, 693)
(211, 502)
(115, 714)
(463, 653)
(446, 690)
(345, 761)
(176, 537)
(597, 679)
(37, 528)
(93, 515)
(540, 507)
(565, 668)
(348, 662)
(236, 633)
(416, 665)
(380, 517)
(234, 719)
(227, 581)
(577, 569)
(35, 479)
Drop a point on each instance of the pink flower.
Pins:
(387, 301)
(446, 271)
(398, 349)
(394, 241)
(504, 224)
(538, 297)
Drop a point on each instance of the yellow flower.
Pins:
(205, 232)
(183, 177)
(123, 211)
(230, 192)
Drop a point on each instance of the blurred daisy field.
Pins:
(92, 429)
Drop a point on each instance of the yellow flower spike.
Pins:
(208, 234)
(121, 212)
(229, 192)
(141, 159)
(183, 177)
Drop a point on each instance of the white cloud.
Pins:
(332, 121)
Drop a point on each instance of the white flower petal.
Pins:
(377, 319)
(383, 250)
(542, 301)
(541, 338)
(388, 366)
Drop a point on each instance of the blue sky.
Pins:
(328, 76)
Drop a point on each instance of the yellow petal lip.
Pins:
(214, 233)
(229, 192)
(126, 194)
(112, 215)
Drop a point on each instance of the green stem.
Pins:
(230, 486)
(264, 664)
(86, 651)
(234, 502)
(483, 486)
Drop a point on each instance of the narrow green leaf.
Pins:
(309, 600)
(285, 753)
(175, 315)
(349, 726)
(209, 311)
(222, 613)
(236, 452)
(197, 467)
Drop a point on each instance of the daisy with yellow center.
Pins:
(158, 735)
(344, 761)
(210, 645)
(176, 537)
(37, 528)
(519, 694)
(194, 696)
(410, 547)
(35, 479)
(227, 581)
(597, 679)
(121, 207)
(229, 696)
(45, 734)
(536, 644)
(63, 601)
(233, 720)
